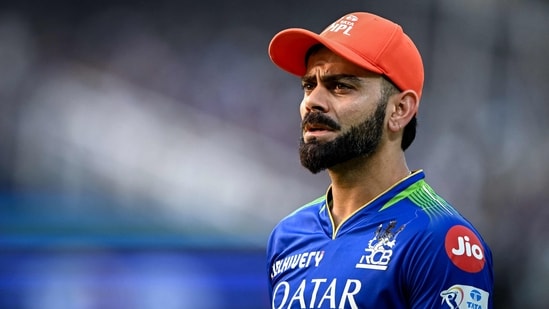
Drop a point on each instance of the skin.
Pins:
(348, 94)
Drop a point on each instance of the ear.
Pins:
(403, 107)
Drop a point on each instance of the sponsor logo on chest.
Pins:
(301, 260)
(317, 293)
(335, 292)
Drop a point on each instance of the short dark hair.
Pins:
(312, 50)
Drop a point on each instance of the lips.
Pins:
(317, 132)
(314, 127)
(317, 121)
(317, 126)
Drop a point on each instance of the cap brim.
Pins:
(289, 47)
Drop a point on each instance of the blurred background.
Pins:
(147, 148)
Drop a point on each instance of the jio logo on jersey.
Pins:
(464, 249)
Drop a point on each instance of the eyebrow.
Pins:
(331, 78)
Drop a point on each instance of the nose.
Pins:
(315, 100)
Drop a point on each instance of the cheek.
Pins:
(354, 116)
(302, 109)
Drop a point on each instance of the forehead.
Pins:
(324, 61)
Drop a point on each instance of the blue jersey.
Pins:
(408, 248)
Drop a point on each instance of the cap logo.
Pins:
(351, 18)
(343, 25)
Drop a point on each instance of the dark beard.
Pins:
(360, 141)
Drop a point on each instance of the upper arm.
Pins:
(451, 266)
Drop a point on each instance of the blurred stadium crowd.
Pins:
(151, 146)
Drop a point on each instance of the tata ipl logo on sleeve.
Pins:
(464, 249)
(380, 248)
(343, 26)
(465, 296)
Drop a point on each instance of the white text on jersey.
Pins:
(324, 293)
(300, 260)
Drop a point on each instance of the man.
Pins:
(380, 237)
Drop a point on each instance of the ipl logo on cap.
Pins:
(343, 25)
(351, 17)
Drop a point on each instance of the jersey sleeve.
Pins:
(271, 255)
(450, 267)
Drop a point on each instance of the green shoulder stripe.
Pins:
(421, 194)
(404, 194)
(316, 201)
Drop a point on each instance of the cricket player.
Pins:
(380, 237)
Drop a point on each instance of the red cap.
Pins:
(369, 41)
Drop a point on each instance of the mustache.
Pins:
(319, 118)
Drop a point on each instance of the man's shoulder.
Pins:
(303, 216)
(432, 216)
(424, 210)
(311, 208)
(434, 206)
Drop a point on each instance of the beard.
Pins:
(361, 140)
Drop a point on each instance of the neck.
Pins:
(357, 182)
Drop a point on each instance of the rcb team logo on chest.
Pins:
(380, 248)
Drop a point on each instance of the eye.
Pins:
(307, 86)
(342, 86)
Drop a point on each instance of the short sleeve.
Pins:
(449, 266)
